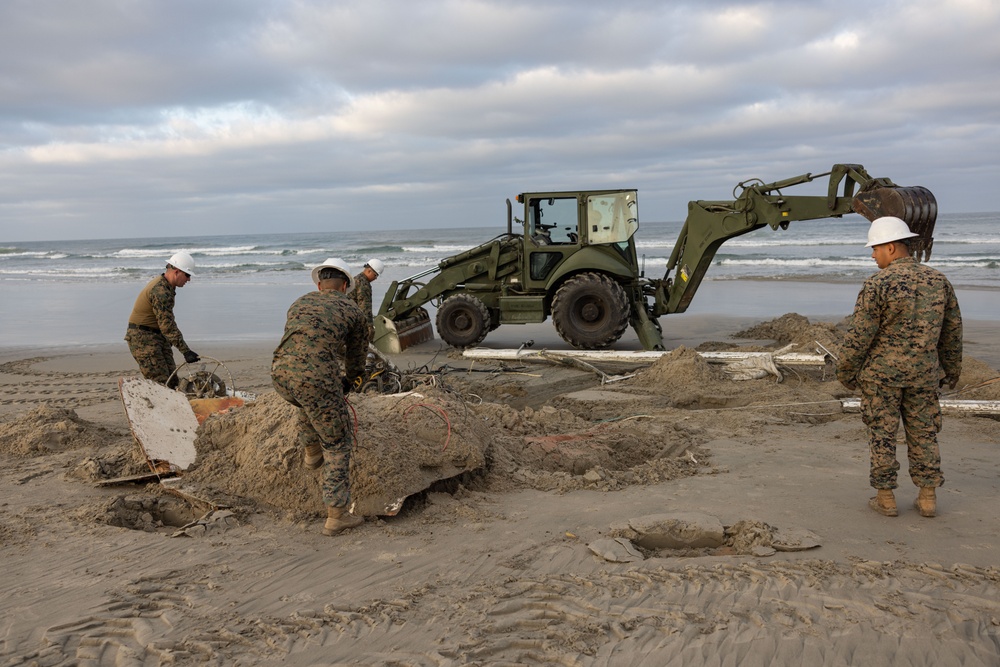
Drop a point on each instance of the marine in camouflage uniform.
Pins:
(152, 330)
(306, 372)
(362, 295)
(904, 341)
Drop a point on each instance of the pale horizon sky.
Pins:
(135, 118)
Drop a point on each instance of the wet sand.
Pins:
(496, 568)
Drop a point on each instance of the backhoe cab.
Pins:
(574, 260)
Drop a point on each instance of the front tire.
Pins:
(463, 321)
(590, 311)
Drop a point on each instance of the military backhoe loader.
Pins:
(575, 260)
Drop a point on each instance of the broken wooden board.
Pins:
(162, 421)
(144, 478)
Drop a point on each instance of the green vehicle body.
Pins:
(574, 260)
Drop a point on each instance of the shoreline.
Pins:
(207, 313)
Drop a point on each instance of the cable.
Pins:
(773, 405)
(444, 415)
(354, 429)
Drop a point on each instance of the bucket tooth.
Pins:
(915, 205)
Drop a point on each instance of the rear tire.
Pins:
(463, 321)
(590, 311)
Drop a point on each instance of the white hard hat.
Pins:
(375, 265)
(181, 260)
(334, 263)
(888, 229)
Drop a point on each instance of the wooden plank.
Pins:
(948, 405)
(135, 479)
(642, 357)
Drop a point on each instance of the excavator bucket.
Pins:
(915, 205)
(392, 337)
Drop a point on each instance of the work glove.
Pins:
(191, 357)
(347, 385)
(950, 381)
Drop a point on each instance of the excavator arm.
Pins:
(709, 224)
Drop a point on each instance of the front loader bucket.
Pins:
(915, 205)
(392, 337)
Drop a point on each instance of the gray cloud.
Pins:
(154, 119)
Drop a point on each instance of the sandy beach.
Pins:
(535, 557)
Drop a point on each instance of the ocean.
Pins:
(69, 293)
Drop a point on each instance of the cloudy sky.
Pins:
(135, 118)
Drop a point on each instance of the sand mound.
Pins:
(405, 443)
(978, 382)
(682, 367)
(794, 329)
(46, 430)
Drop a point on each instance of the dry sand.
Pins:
(496, 567)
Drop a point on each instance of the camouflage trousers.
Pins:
(881, 410)
(323, 419)
(153, 353)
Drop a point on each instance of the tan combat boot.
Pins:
(884, 503)
(313, 456)
(926, 502)
(338, 519)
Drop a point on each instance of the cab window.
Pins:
(553, 221)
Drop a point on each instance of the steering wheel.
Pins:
(201, 382)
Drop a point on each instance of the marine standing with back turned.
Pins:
(306, 372)
(151, 326)
(904, 342)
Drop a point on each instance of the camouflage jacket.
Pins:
(361, 292)
(154, 307)
(906, 330)
(318, 324)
